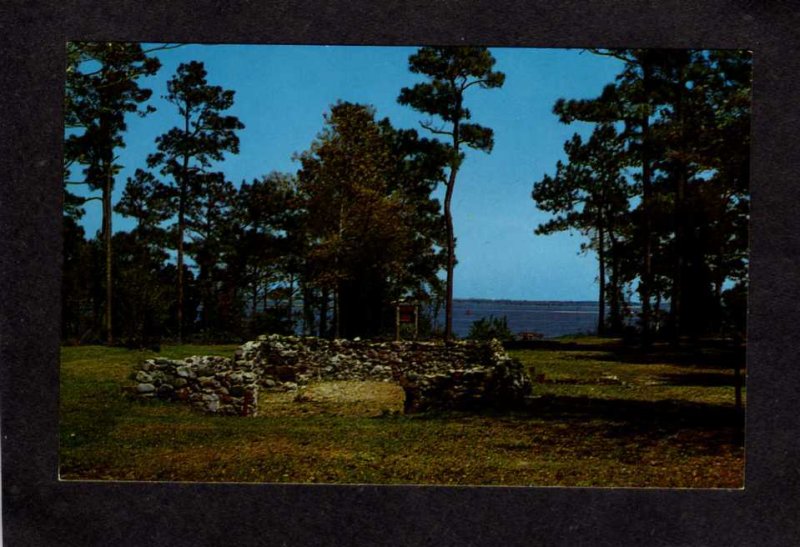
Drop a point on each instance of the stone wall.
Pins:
(208, 383)
(434, 375)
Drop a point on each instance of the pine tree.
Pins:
(186, 153)
(101, 90)
(590, 194)
(450, 72)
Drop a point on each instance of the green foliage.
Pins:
(147, 200)
(590, 190)
(487, 328)
(370, 222)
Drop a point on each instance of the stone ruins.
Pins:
(459, 375)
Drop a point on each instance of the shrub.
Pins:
(490, 327)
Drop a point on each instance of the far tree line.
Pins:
(328, 249)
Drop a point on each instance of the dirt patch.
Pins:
(339, 398)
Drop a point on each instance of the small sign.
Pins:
(407, 313)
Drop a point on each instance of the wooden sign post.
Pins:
(406, 312)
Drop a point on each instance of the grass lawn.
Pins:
(603, 416)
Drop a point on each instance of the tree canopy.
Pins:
(656, 181)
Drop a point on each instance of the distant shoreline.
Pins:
(510, 300)
(515, 300)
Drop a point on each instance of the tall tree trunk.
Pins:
(448, 217)
(601, 298)
(254, 296)
(645, 285)
(679, 218)
(205, 295)
(206, 265)
(448, 299)
(291, 302)
(107, 188)
(614, 301)
(337, 315)
(717, 321)
(323, 314)
(337, 291)
(265, 294)
(181, 221)
(308, 309)
(676, 294)
(183, 195)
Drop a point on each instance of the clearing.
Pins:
(603, 415)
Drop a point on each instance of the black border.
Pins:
(38, 510)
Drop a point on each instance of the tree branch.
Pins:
(163, 48)
(429, 126)
(473, 82)
(611, 53)
(144, 51)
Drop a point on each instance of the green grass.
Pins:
(665, 419)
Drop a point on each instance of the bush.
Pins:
(490, 327)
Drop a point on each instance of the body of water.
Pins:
(549, 319)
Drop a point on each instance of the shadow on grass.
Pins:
(689, 357)
(558, 345)
(702, 353)
(701, 379)
(647, 420)
(693, 429)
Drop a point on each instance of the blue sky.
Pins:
(282, 93)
